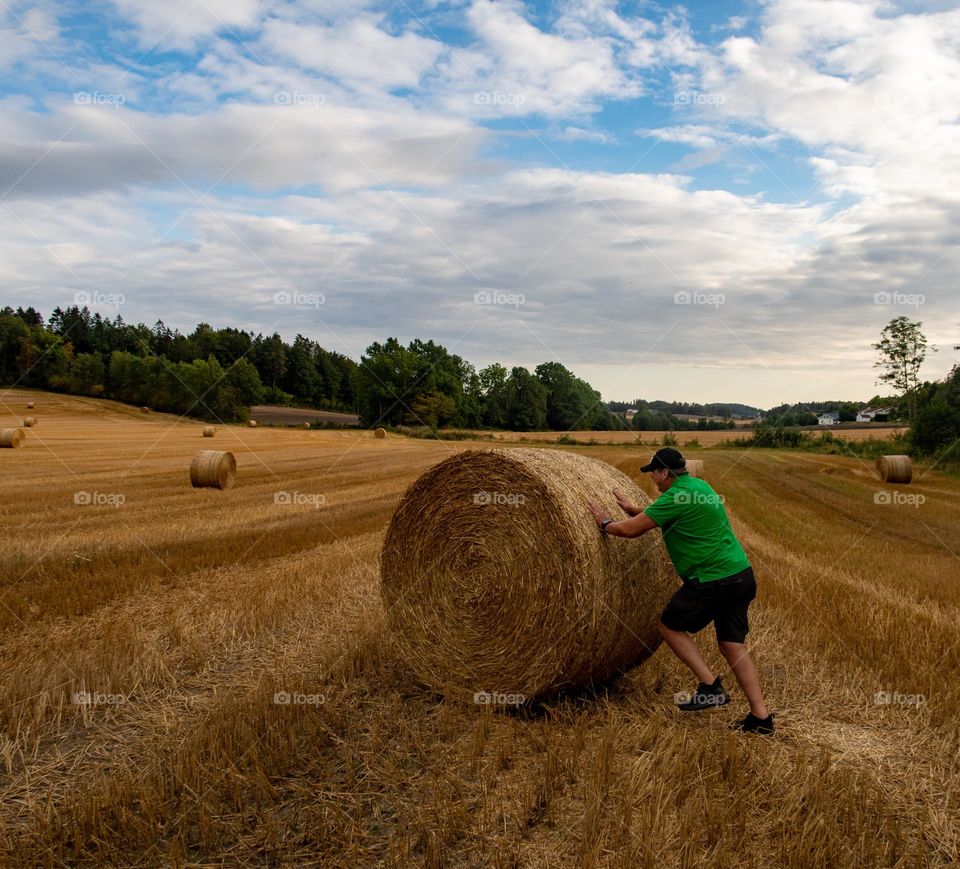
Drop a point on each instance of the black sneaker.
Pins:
(752, 724)
(705, 697)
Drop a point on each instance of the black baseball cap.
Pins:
(667, 459)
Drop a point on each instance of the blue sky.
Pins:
(716, 201)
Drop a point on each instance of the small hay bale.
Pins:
(29, 421)
(209, 431)
(144, 410)
(305, 425)
(213, 469)
(695, 467)
(380, 433)
(496, 578)
(251, 423)
(11, 437)
(31, 405)
(895, 469)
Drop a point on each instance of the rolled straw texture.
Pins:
(496, 578)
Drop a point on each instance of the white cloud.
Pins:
(579, 134)
(179, 24)
(516, 69)
(337, 147)
(355, 52)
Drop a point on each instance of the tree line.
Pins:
(218, 373)
(210, 373)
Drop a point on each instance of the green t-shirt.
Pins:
(696, 531)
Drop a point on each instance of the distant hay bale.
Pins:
(209, 431)
(11, 437)
(380, 433)
(251, 423)
(895, 469)
(495, 577)
(695, 467)
(31, 405)
(29, 421)
(144, 410)
(304, 425)
(213, 469)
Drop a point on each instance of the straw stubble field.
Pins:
(194, 675)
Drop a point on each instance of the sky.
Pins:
(720, 201)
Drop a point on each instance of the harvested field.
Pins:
(191, 676)
(267, 414)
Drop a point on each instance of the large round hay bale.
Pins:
(497, 581)
(380, 433)
(29, 421)
(209, 431)
(144, 410)
(31, 405)
(11, 437)
(251, 423)
(895, 469)
(213, 469)
(695, 467)
(305, 425)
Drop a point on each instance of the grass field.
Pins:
(148, 629)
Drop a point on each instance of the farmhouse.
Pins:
(831, 418)
(874, 414)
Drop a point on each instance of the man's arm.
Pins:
(632, 527)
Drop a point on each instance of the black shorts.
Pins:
(721, 601)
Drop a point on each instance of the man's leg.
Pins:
(686, 650)
(742, 665)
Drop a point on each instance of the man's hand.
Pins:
(628, 507)
(599, 514)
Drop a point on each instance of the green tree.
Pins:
(86, 374)
(526, 401)
(937, 423)
(387, 376)
(571, 402)
(493, 389)
(433, 408)
(903, 349)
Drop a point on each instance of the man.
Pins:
(718, 581)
